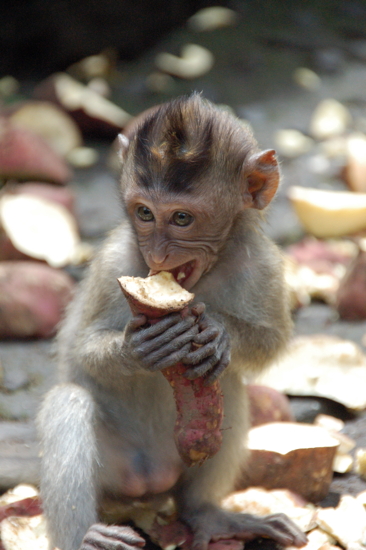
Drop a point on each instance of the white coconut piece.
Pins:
(330, 118)
(292, 143)
(307, 79)
(327, 214)
(195, 61)
(160, 290)
(324, 366)
(343, 463)
(19, 492)
(214, 17)
(346, 523)
(50, 122)
(39, 228)
(360, 464)
(83, 157)
(356, 162)
(77, 96)
(24, 533)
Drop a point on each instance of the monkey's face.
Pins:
(182, 234)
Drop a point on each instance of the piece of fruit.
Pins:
(197, 429)
(327, 214)
(24, 156)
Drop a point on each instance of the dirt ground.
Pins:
(253, 74)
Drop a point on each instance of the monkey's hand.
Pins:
(162, 344)
(211, 523)
(113, 537)
(212, 355)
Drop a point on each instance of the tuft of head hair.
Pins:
(184, 141)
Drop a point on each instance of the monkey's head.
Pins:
(189, 172)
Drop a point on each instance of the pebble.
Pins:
(330, 118)
(307, 79)
(212, 18)
(194, 62)
(292, 143)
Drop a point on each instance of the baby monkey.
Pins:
(193, 185)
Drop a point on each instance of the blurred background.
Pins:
(75, 74)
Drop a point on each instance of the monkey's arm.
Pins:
(137, 347)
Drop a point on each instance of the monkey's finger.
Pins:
(172, 359)
(281, 524)
(210, 333)
(145, 347)
(198, 309)
(136, 322)
(174, 344)
(166, 329)
(219, 367)
(198, 355)
(200, 541)
(203, 368)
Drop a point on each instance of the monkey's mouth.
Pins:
(183, 272)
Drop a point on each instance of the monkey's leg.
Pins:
(69, 475)
(202, 488)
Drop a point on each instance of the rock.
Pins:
(329, 119)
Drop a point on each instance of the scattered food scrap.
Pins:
(321, 365)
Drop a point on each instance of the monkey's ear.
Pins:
(123, 143)
(262, 179)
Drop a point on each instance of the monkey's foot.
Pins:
(211, 524)
(113, 537)
(178, 534)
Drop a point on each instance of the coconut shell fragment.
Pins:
(294, 456)
(197, 431)
(24, 156)
(33, 297)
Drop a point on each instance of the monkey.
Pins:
(193, 185)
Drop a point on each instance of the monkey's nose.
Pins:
(158, 257)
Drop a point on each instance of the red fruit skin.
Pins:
(200, 407)
(197, 431)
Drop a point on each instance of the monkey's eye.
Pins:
(182, 218)
(145, 214)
